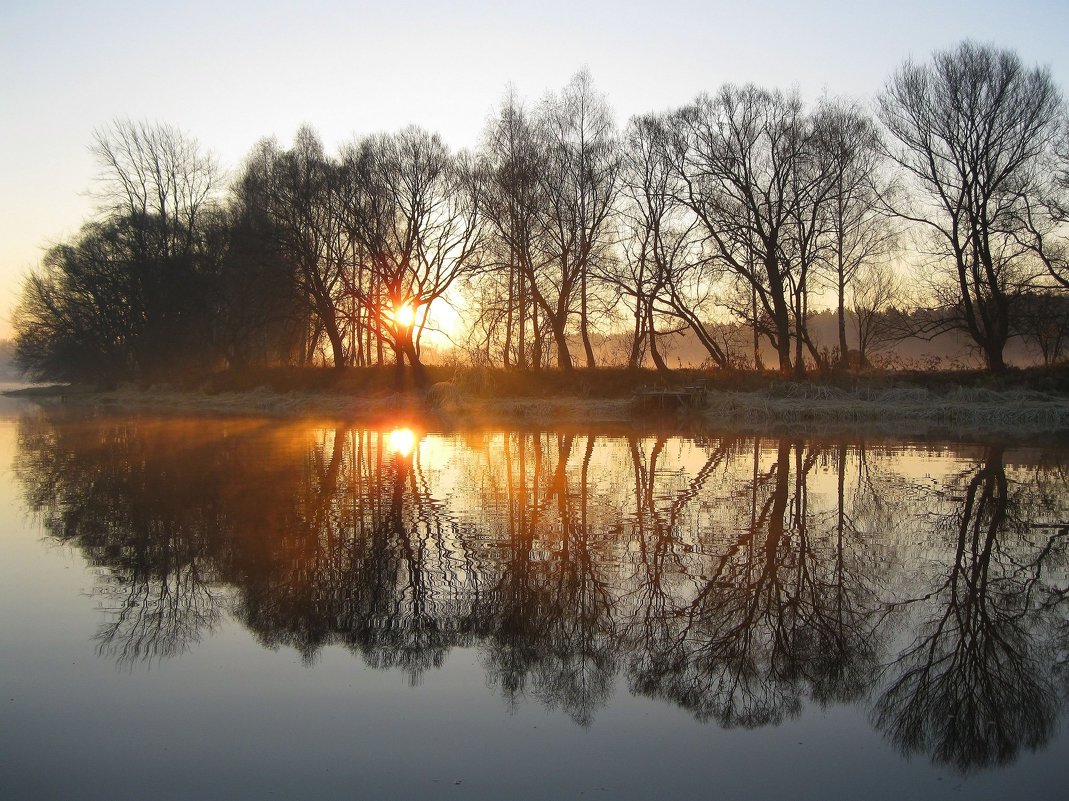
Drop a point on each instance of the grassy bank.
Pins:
(1028, 402)
(607, 382)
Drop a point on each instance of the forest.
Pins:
(565, 240)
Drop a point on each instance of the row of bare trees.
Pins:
(370, 238)
(744, 204)
(744, 209)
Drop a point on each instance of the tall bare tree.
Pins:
(414, 222)
(860, 232)
(663, 273)
(737, 154)
(968, 128)
(512, 198)
(580, 181)
(296, 186)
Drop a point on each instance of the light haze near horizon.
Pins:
(231, 73)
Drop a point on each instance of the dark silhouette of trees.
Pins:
(295, 190)
(734, 157)
(413, 225)
(260, 311)
(512, 199)
(372, 237)
(131, 294)
(581, 179)
(753, 172)
(968, 129)
(664, 272)
(549, 181)
(74, 320)
(745, 209)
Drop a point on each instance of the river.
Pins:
(237, 607)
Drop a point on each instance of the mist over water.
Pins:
(244, 606)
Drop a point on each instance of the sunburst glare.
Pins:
(401, 441)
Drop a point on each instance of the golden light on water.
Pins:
(401, 441)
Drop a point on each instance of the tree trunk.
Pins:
(536, 334)
(521, 347)
(757, 363)
(996, 363)
(564, 356)
(655, 354)
(337, 344)
(781, 315)
(843, 347)
(419, 372)
(635, 356)
(583, 328)
(509, 313)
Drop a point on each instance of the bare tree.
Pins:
(580, 181)
(547, 184)
(414, 224)
(737, 155)
(663, 275)
(876, 291)
(512, 198)
(859, 231)
(296, 187)
(74, 319)
(155, 172)
(968, 129)
(131, 293)
(261, 313)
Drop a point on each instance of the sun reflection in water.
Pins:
(401, 441)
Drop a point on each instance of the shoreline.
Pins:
(961, 412)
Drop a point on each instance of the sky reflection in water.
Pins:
(908, 599)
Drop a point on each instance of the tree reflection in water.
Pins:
(975, 685)
(736, 577)
(784, 612)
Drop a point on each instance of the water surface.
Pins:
(246, 608)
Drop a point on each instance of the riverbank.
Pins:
(966, 405)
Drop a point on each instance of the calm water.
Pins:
(241, 608)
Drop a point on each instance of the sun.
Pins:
(405, 314)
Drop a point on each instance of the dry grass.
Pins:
(910, 408)
(478, 398)
(452, 409)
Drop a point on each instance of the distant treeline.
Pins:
(944, 209)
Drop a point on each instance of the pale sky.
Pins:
(230, 73)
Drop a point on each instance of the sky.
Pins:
(230, 72)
